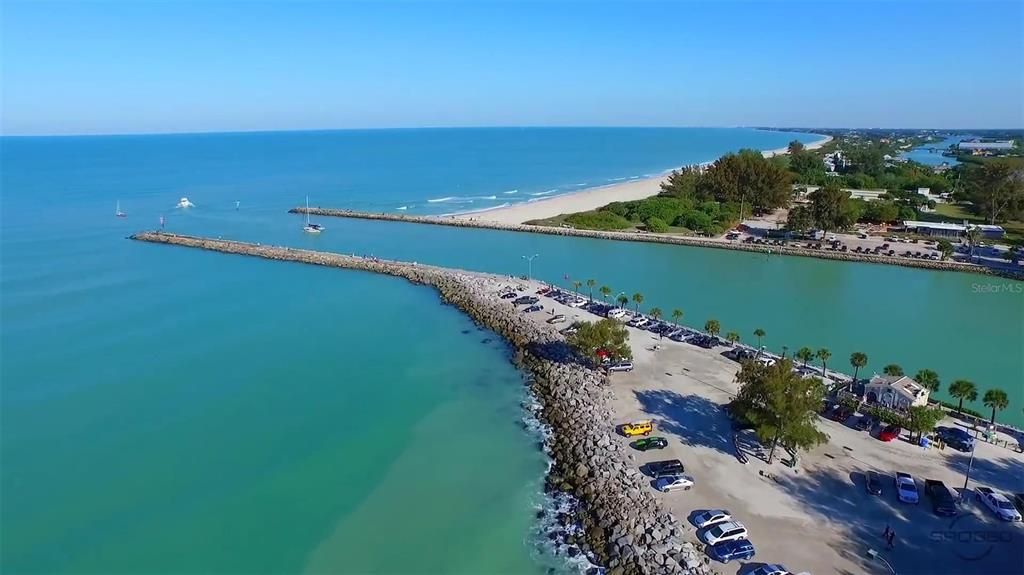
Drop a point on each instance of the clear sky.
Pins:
(146, 66)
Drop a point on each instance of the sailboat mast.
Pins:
(307, 210)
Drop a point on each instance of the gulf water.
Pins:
(170, 411)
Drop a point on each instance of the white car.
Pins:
(621, 366)
(578, 303)
(906, 488)
(770, 569)
(728, 531)
(673, 483)
(998, 503)
(617, 313)
(710, 517)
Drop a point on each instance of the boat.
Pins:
(311, 228)
(118, 212)
(184, 203)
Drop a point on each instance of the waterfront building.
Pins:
(895, 392)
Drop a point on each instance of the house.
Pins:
(897, 392)
(939, 229)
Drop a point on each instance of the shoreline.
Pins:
(593, 198)
(575, 402)
(935, 265)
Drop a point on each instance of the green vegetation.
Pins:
(732, 337)
(996, 400)
(677, 314)
(804, 354)
(638, 298)
(928, 379)
(780, 404)
(921, 419)
(963, 389)
(996, 190)
(893, 370)
(823, 354)
(759, 333)
(590, 285)
(857, 361)
(693, 200)
(606, 335)
(712, 327)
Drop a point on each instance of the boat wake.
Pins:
(545, 192)
(511, 192)
(403, 208)
(460, 199)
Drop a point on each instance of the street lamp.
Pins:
(967, 474)
(529, 268)
(874, 555)
(617, 297)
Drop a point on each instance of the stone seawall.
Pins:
(620, 523)
(465, 222)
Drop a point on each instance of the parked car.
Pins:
(727, 551)
(508, 295)
(533, 308)
(864, 423)
(670, 483)
(943, 502)
(906, 488)
(710, 517)
(559, 318)
(649, 443)
(889, 433)
(722, 532)
(955, 437)
(873, 483)
(621, 366)
(1018, 501)
(569, 330)
(635, 428)
(998, 503)
(770, 569)
(665, 468)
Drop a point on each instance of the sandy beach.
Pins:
(591, 198)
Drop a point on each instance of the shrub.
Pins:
(598, 221)
(656, 225)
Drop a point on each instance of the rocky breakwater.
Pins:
(617, 521)
(469, 221)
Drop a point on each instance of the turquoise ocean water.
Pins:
(170, 411)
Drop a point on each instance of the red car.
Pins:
(889, 433)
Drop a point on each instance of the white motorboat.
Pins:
(185, 203)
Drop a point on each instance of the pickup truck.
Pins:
(998, 503)
(943, 502)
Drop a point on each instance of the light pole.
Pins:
(967, 475)
(529, 266)
(617, 297)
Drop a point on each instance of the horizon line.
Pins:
(803, 129)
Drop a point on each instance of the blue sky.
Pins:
(130, 67)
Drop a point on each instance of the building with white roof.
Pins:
(899, 392)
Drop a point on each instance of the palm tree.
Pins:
(804, 354)
(823, 354)
(638, 298)
(591, 284)
(576, 287)
(893, 370)
(759, 333)
(928, 379)
(857, 360)
(712, 327)
(785, 348)
(623, 300)
(963, 389)
(605, 292)
(732, 336)
(996, 400)
(973, 238)
(677, 314)
(655, 312)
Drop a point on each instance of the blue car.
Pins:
(730, 550)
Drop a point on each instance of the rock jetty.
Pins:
(467, 222)
(618, 523)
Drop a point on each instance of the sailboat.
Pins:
(310, 227)
(118, 212)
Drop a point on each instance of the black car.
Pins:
(872, 483)
(665, 468)
(943, 502)
(508, 295)
(864, 423)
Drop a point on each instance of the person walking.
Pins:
(892, 539)
(885, 534)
